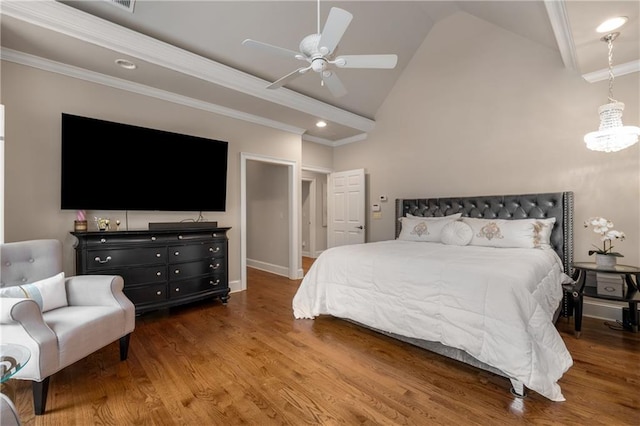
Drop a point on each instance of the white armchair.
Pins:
(58, 332)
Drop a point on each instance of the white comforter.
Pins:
(496, 304)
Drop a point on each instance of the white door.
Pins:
(346, 208)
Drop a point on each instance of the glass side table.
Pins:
(630, 295)
(12, 358)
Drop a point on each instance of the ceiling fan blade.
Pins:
(337, 23)
(366, 61)
(270, 48)
(334, 84)
(287, 78)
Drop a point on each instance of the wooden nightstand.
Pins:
(629, 279)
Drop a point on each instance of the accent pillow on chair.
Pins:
(49, 293)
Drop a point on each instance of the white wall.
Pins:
(34, 100)
(483, 111)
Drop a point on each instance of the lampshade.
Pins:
(612, 135)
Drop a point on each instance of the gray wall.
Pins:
(268, 217)
(482, 111)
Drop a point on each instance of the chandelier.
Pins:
(612, 135)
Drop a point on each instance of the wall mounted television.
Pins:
(113, 166)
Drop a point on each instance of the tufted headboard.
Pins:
(544, 205)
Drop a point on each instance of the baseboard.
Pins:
(235, 286)
(602, 309)
(268, 267)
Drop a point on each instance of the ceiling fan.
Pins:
(318, 50)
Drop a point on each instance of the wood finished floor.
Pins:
(251, 362)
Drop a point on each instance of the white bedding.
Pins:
(496, 304)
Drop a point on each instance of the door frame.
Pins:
(294, 213)
(320, 170)
(312, 216)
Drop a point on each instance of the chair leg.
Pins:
(124, 347)
(40, 390)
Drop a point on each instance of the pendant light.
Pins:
(612, 135)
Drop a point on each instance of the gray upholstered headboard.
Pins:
(553, 204)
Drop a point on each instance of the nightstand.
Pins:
(626, 291)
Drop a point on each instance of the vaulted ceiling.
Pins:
(191, 51)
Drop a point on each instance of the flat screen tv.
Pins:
(113, 166)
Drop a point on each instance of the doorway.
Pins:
(293, 203)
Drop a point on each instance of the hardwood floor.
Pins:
(251, 362)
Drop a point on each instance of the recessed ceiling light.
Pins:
(612, 24)
(321, 124)
(126, 64)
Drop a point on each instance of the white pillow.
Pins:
(426, 229)
(457, 233)
(49, 293)
(520, 233)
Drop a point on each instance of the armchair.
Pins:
(58, 331)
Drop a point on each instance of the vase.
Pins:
(605, 260)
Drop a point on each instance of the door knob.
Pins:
(360, 227)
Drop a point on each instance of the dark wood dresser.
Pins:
(161, 268)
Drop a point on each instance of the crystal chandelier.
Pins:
(612, 135)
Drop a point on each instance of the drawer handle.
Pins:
(214, 251)
(153, 238)
(177, 289)
(177, 271)
(214, 234)
(176, 253)
(103, 240)
(216, 282)
(159, 293)
(97, 259)
(217, 265)
(158, 274)
(158, 255)
(179, 237)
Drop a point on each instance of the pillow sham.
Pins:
(456, 233)
(518, 233)
(426, 229)
(49, 293)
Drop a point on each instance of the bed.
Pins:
(491, 301)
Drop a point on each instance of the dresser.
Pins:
(161, 268)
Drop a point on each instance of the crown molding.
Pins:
(559, 20)
(618, 70)
(339, 142)
(66, 20)
(117, 83)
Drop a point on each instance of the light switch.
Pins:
(377, 215)
(375, 208)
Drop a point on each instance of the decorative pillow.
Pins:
(49, 293)
(457, 233)
(519, 233)
(426, 229)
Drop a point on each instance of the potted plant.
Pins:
(605, 256)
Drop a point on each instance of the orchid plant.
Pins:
(604, 227)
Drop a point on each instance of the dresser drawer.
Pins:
(116, 258)
(196, 251)
(143, 274)
(147, 294)
(182, 271)
(197, 285)
(110, 238)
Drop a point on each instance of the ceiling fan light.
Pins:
(612, 24)
(612, 135)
